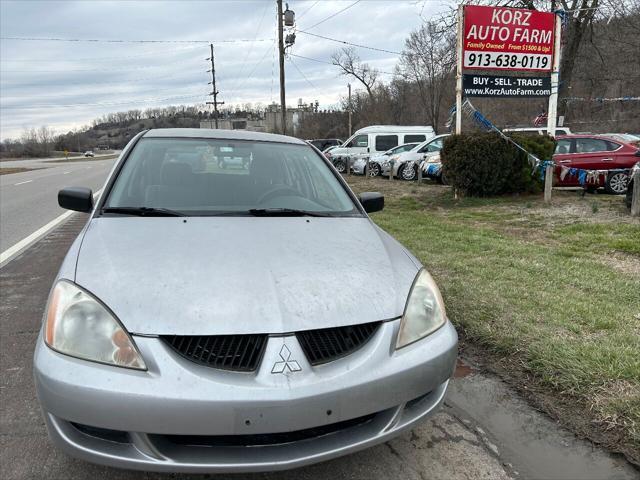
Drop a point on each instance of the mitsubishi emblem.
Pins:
(286, 363)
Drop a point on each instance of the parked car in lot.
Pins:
(195, 324)
(328, 149)
(595, 152)
(323, 143)
(89, 153)
(377, 139)
(537, 130)
(376, 161)
(623, 137)
(405, 165)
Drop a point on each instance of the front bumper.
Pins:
(359, 400)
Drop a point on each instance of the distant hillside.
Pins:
(116, 135)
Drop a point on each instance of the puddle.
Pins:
(462, 369)
(526, 439)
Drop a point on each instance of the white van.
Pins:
(377, 139)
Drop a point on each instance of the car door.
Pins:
(358, 145)
(592, 153)
(563, 156)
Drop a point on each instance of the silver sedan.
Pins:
(203, 320)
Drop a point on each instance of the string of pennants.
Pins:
(602, 99)
(585, 176)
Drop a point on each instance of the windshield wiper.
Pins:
(285, 212)
(144, 211)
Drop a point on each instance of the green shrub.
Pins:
(484, 164)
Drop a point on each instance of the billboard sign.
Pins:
(501, 38)
(504, 86)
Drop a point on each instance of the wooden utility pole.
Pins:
(350, 109)
(214, 91)
(283, 104)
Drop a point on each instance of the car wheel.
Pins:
(442, 179)
(374, 170)
(616, 183)
(340, 165)
(408, 172)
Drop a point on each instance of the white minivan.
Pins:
(377, 139)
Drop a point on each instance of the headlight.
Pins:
(78, 325)
(433, 159)
(424, 312)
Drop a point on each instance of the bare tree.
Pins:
(349, 63)
(45, 139)
(427, 61)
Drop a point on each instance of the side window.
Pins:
(414, 138)
(591, 145)
(386, 142)
(435, 146)
(359, 141)
(611, 146)
(563, 146)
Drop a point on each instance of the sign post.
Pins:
(552, 116)
(459, 55)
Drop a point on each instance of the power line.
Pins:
(103, 104)
(250, 75)
(333, 15)
(250, 50)
(330, 63)
(307, 10)
(349, 43)
(106, 59)
(304, 76)
(76, 93)
(103, 69)
(110, 82)
(103, 40)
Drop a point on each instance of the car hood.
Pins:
(238, 275)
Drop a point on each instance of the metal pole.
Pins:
(548, 183)
(635, 198)
(350, 109)
(552, 115)
(459, 69)
(283, 105)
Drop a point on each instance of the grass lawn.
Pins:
(554, 291)
(84, 159)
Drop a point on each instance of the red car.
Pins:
(594, 152)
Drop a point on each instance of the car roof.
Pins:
(587, 135)
(394, 129)
(220, 134)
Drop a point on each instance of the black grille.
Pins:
(328, 344)
(241, 353)
(264, 438)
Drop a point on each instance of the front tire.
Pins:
(340, 165)
(374, 169)
(408, 172)
(616, 183)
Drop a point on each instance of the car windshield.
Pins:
(231, 177)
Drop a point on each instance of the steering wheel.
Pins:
(278, 191)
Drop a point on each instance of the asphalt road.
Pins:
(29, 200)
(484, 431)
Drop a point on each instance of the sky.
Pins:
(66, 84)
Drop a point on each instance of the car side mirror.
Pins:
(372, 201)
(79, 199)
